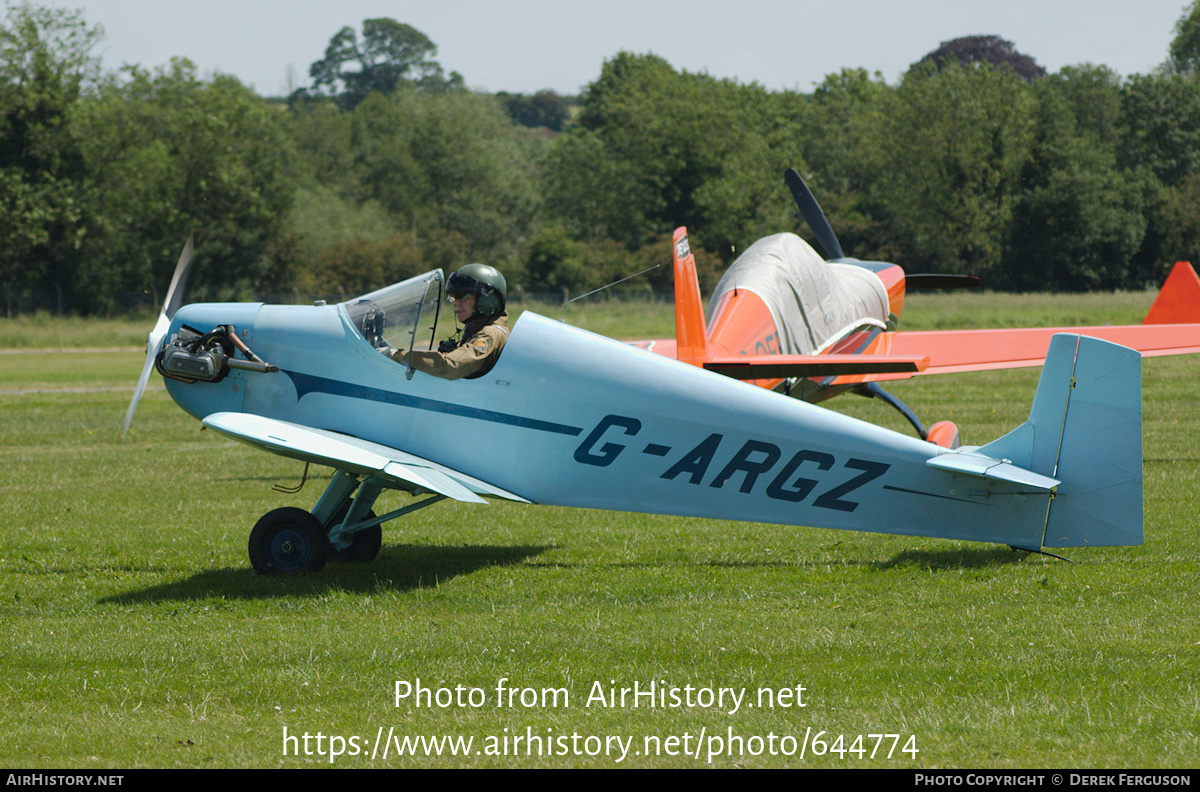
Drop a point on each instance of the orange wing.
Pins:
(979, 350)
(1172, 327)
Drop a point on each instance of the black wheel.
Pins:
(288, 540)
(364, 545)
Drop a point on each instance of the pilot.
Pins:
(478, 292)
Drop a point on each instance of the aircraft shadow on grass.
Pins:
(409, 567)
(397, 568)
(957, 558)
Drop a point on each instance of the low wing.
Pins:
(892, 356)
(979, 350)
(1172, 327)
(353, 455)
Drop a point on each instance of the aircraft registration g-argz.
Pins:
(571, 418)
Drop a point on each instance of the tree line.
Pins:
(974, 161)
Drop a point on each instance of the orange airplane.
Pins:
(786, 319)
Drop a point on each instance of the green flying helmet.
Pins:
(485, 282)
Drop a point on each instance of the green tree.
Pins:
(842, 139)
(593, 194)
(168, 154)
(1184, 51)
(448, 169)
(478, 168)
(841, 130)
(641, 111)
(1093, 96)
(46, 64)
(1078, 221)
(1176, 225)
(543, 109)
(747, 199)
(654, 148)
(357, 266)
(388, 54)
(957, 140)
(559, 265)
(555, 262)
(322, 218)
(1161, 125)
(1160, 135)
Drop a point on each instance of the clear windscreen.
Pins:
(403, 315)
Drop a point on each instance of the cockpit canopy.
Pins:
(813, 302)
(403, 315)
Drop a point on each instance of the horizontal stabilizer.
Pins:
(970, 463)
(748, 367)
(353, 455)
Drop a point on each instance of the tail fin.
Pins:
(1085, 429)
(1178, 301)
(691, 335)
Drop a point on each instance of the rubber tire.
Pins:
(288, 540)
(364, 545)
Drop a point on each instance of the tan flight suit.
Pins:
(473, 357)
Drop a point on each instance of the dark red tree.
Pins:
(985, 49)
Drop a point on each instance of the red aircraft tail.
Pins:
(691, 335)
(1178, 300)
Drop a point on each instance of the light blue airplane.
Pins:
(570, 418)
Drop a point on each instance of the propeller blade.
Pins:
(810, 210)
(178, 281)
(171, 304)
(160, 327)
(923, 281)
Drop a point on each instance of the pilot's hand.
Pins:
(388, 351)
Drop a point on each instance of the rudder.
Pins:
(1085, 429)
(691, 335)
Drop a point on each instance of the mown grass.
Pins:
(954, 310)
(45, 331)
(135, 633)
(645, 318)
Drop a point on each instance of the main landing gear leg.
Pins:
(942, 433)
(341, 525)
(355, 534)
(873, 390)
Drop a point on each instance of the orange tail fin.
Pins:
(1178, 300)
(691, 335)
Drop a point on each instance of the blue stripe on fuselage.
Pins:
(308, 383)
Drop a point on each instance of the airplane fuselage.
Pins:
(571, 418)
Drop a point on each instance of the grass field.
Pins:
(136, 635)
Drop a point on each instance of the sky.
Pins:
(523, 46)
